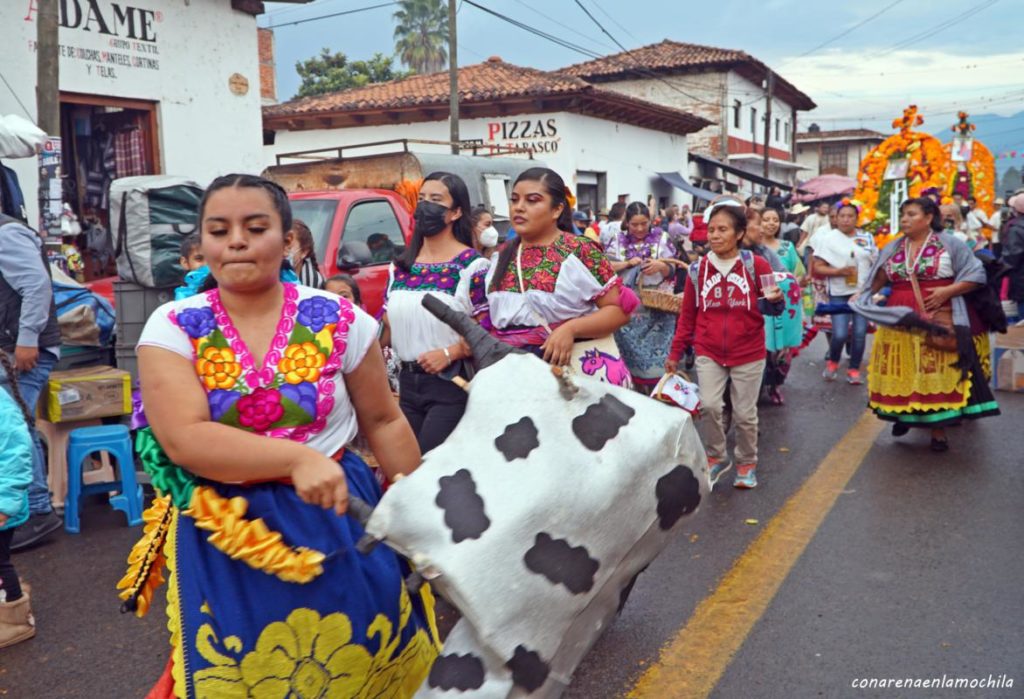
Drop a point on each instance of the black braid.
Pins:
(12, 379)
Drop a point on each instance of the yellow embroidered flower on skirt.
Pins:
(302, 362)
(217, 367)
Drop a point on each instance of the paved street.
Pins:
(914, 572)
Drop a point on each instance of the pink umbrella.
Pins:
(825, 187)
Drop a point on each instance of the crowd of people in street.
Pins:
(257, 380)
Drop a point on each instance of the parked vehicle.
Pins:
(359, 220)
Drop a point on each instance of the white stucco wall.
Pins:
(630, 156)
(752, 96)
(204, 129)
(856, 151)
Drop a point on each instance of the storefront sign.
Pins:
(109, 38)
(51, 192)
(535, 135)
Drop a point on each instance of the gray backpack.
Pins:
(152, 215)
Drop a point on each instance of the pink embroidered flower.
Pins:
(260, 409)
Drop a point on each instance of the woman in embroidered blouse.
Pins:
(253, 388)
(910, 382)
(639, 255)
(567, 290)
(441, 261)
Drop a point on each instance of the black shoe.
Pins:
(900, 429)
(939, 445)
(37, 528)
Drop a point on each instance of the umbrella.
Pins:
(826, 187)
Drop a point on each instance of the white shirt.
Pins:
(414, 330)
(610, 232)
(976, 220)
(839, 250)
(331, 422)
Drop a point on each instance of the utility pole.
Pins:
(47, 67)
(768, 118)
(453, 80)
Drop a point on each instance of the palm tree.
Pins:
(421, 34)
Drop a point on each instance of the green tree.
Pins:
(333, 72)
(421, 34)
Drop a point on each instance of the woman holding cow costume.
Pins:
(722, 319)
(555, 293)
(252, 523)
(442, 262)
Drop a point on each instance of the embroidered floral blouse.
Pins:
(563, 281)
(654, 246)
(934, 263)
(458, 282)
(299, 392)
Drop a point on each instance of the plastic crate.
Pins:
(126, 359)
(134, 304)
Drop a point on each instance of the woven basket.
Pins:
(661, 300)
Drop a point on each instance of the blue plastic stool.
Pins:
(116, 441)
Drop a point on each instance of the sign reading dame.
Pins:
(104, 39)
(107, 18)
(533, 134)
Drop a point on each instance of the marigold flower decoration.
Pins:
(925, 169)
(980, 168)
(409, 190)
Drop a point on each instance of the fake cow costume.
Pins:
(536, 515)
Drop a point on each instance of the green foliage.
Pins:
(333, 72)
(421, 34)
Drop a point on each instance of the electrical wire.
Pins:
(560, 24)
(16, 98)
(335, 14)
(938, 28)
(843, 33)
(614, 21)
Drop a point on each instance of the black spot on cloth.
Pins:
(463, 508)
(625, 592)
(518, 440)
(601, 422)
(461, 672)
(678, 494)
(529, 670)
(562, 563)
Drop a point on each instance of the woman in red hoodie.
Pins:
(722, 319)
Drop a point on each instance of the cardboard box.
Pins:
(1010, 370)
(1012, 340)
(88, 393)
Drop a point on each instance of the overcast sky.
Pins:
(944, 55)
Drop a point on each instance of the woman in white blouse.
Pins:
(440, 260)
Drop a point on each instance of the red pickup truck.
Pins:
(356, 231)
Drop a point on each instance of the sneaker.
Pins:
(831, 371)
(854, 378)
(37, 528)
(717, 467)
(746, 476)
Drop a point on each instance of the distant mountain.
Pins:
(1001, 135)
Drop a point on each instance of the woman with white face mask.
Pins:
(440, 260)
(485, 235)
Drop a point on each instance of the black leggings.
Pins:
(432, 405)
(9, 582)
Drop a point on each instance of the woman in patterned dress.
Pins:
(640, 254)
(911, 383)
(252, 390)
(554, 293)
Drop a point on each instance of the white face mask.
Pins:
(489, 237)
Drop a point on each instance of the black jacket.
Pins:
(1013, 255)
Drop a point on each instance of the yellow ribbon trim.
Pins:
(147, 558)
(174, 613)
(251, 541)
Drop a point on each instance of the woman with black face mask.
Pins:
(440, 260)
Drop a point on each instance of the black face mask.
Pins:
(429, 218)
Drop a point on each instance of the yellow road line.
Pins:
(691, 664)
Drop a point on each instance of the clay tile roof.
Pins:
(670, 57)
(491, 80)
(839, 134)
(487, 83)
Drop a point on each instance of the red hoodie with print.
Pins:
(721, 316)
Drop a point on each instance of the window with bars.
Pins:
(736, 113)
(753, 120)
(778, 128)
(833, 159)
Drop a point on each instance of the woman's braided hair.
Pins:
(12, 379)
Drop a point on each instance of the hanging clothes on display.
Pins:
(129, 153)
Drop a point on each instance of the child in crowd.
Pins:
(345, 286)
(194, 264)
(16, 621)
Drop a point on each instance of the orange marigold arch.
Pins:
(977, 174)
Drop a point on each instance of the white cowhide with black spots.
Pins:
(533, 518)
